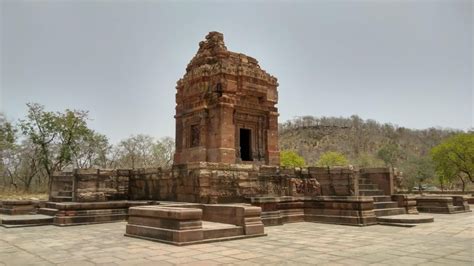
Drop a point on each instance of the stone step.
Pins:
(406, 220)
(220, 230)
(459, 209)
(368, 186)
(397, 224)
(61, 199)
(382, 198)
(25, 220)
(50, 205)
(48, 211)
(65, 193)
(370, 192)
(389, 211)
(385, 205)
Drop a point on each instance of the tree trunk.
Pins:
(463, 184)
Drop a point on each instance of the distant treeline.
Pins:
(359, 140)
(43, 142)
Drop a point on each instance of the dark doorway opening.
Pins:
(245, 144)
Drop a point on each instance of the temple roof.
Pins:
(213, 57)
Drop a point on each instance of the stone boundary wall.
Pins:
(210, 182)
(92, 185)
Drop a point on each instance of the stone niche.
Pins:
(225, 108)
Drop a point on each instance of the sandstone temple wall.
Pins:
(212, 182)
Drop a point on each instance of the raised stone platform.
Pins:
(186, 224)
(18, 207)
(10, 221)
(405, 220)
(470, 199)
(79, 213)
(447, 204)
(350, 210)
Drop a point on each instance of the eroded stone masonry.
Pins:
(225, 108)
(226, 152)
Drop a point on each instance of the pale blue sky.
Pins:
(405, 62)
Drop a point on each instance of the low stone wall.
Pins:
(187, 224)
(224, 183)
(74, 213)
(209, 183)
(91, 185)
(349, 210)
(442, 204)
(18, 207)
(151, 184)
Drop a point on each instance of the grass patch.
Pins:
(23, 195)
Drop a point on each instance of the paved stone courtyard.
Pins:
(447, 241)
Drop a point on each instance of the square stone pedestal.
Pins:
(185, 224)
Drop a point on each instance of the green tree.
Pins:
(418, 171)
(56, 136)
(389, 154)
(332, 158)
(454, 158)
(291, 159)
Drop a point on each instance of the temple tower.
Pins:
(225, 108)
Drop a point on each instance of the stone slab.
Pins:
(406, 219)
(25, 220)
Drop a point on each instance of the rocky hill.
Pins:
(359, 140)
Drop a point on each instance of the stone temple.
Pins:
(225, 108)
(226, 182)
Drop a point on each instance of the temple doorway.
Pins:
(245, 144)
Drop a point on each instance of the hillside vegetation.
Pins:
(359, 140)
(367, 143)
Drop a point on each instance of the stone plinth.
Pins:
(75, 213)
(18, 207)
(406, 201)
(442, 204)
(337, 210)
(12, 221)
(185, 224)
(461, 202)
(470, 199)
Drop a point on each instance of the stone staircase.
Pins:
(64, 195)
(383, 204)
(49, 209)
